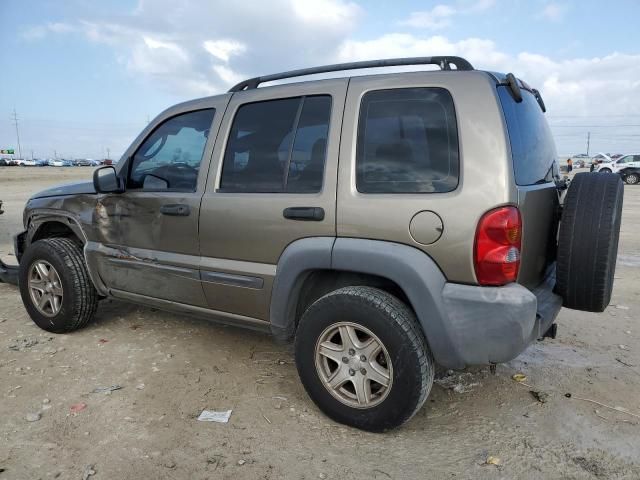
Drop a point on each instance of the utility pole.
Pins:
(108, 153)
(588, 141)
(15, 122)
(31, 154)
(55, 154)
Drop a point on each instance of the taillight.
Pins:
(497, 246)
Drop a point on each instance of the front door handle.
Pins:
(175, 209)
(309, 214)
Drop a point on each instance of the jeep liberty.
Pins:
(385, 224)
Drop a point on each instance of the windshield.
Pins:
(532, 147)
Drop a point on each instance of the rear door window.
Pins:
(533, 150)
(407, 142)
(278, 146)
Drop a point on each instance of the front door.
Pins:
(156, 253)
(272, 181)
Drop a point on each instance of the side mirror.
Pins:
(105, 180)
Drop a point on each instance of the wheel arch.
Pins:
(402, 270)
(49, 225)
(46, 224)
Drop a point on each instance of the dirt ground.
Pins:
(171, 367)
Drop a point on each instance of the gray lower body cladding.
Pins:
(463, 324)
(495, 324)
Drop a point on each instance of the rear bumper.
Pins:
(495, 324)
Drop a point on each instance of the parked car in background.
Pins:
(58, 162)
(28, 163)
(4, 162)
(580, 155)
(630, 175)
(630, 160)
(88, 162)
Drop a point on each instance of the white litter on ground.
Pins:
(211, 416)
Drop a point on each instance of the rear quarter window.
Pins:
(407, 142)
(533, 150)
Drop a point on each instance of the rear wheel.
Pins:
(588, 241)
(632, 178)
(363, 358)
(55, 285)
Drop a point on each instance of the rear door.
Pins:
(272, 181)
(535, 165)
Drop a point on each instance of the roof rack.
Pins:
(443, 62)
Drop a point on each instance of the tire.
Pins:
(632, 178)
(410, 366)
(78, 300)
(604, 170)
(588, 241)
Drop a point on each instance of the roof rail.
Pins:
(444, 63)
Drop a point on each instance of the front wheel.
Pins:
(55, 285)
(605, 170)
(632, 179)
(363, 358)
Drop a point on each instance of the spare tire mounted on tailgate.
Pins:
(588, 241)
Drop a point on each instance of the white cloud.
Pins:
(202, 49)
(436, 18)
(602, 89)
(224, 49)
(441, 15)
(553, 11)
(204, 46)
(582, 86)
(40, 31)
(227, 75)
(325, 11)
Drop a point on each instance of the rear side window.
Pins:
(532, 148)
(407, 142)
(278, 146)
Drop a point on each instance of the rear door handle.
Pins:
(175, 209)
(309, 214)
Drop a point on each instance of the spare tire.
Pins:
(588, 241)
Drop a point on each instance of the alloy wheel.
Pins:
(353, 365)
(45, 288)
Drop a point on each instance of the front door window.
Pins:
(169, 158)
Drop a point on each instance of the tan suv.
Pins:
(386, 223)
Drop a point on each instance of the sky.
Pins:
(85, 76)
